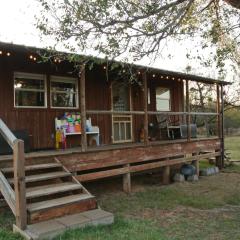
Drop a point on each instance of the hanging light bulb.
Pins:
(154, 75)
(8, 54)
(1, 52)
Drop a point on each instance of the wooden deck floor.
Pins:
(54, 152)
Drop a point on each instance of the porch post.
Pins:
(145, 99)
(222, 128)
(127, 180)
(188, 111)
(83, 108)
(218, 112)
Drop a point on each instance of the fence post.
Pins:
(19, 184)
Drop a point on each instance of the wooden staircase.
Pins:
(51, 191)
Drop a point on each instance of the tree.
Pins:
(133, 29)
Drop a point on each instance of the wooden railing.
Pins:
(16, 199)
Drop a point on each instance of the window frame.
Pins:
(169, 99)
(37, 76)
(55, 78)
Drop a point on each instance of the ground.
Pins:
(208, 209)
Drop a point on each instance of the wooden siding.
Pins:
(39, 122)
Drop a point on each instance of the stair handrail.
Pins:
(20, 209)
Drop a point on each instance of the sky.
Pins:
(17, 25)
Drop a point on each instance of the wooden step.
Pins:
(51, 189)
(34, 167)
(43, 177)
(53, 203)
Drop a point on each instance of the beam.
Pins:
(188, 111)
(127, 180)
(222, 127)
(145, 100)
(83, 108)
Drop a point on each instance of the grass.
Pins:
(208, 209)
(232, 145)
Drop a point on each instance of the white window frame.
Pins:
(162, 98)
(55, 78)
(25, 75)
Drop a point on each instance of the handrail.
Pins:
(7, 134)
(16, 199)
(150, 112)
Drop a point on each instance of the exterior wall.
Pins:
(40, 122)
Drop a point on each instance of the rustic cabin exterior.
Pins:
(136, 127)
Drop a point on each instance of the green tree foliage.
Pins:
(133, 29)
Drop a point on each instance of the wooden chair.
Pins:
(169, 126)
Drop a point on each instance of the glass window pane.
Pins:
(63, 86)
(163, 92)
(29, 98)
(120, 94)
(128, 131)
(27, 83)
(116, 132)
(163, 98)
(163, 105)
(122, 131)
(63, 99)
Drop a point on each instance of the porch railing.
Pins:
(16, 198)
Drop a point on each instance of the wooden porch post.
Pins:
(166, 175)
(145, 99)
(19, 184)
(127, 180)
(188, 111)
(218, 112)
(222, 128)
(83, 108)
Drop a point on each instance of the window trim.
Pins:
(170, 99)
(31, 76)
(55, 78)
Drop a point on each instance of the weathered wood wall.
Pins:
(111, 162)
(40, 122)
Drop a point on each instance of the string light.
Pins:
(31, 56)
(34, 58)
(104, 67)
(173, 78)
(179, 79)
(139, 72)
(1, 52)
(161, 77)
(8, 54)
(154, 75)
(167, 77)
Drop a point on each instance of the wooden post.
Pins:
(188, 111)
(222, 129)
(127, 181)
(83, 108)
(195, 163)
(218, 108)
(19, 184)
(166, 175)
(145, 99)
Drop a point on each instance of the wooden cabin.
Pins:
(134, 127)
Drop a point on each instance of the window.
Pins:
(29, 90)
(163, 99)
(64, 92)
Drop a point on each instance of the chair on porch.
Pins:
(168, 127)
